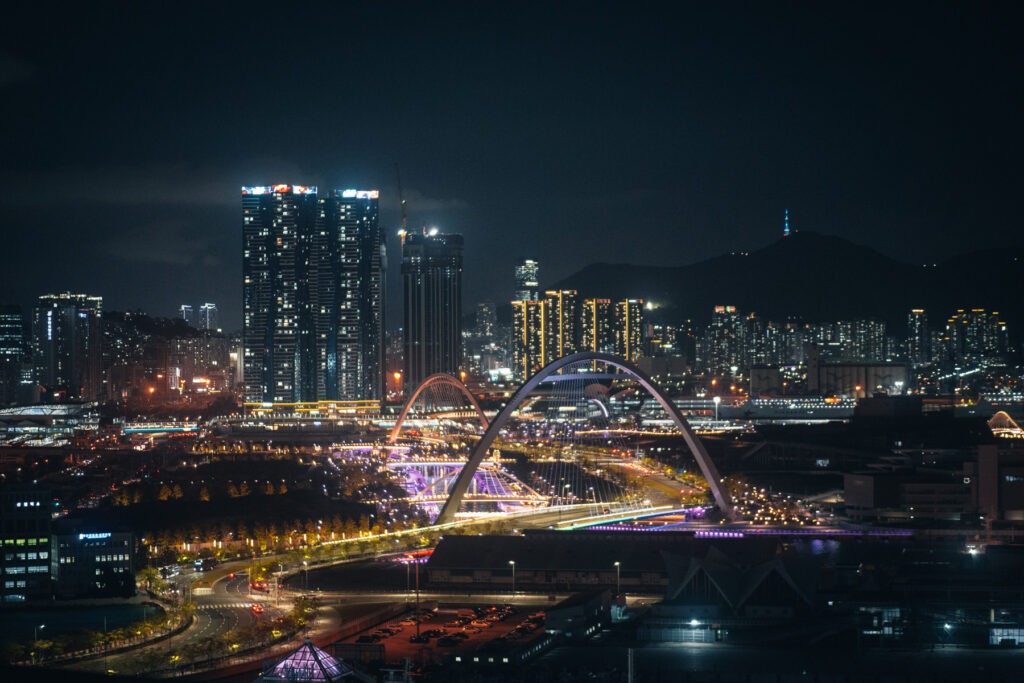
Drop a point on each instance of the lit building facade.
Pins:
(25, 514)
(432, 305)
(67, 337)
(529, 341)
(12, 351)
(209, 318)
(629, 328)
(918, 337)
(350, 297)
(94, 563)
(596, 326)
(527, 282)
(562, 314)
(313, 295)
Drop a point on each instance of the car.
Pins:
(256, 608)
(421, 638)
(367, 639)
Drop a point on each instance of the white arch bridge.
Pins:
(460, 486)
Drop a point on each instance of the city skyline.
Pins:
(596, 135)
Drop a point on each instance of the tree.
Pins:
(165, 493)
(204, 494)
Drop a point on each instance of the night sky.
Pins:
(568, 132)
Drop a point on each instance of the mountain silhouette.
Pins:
(817, 278)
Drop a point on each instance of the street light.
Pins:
(513, 563)
(618, 578)
(305, 576)
(35, 640)
(717, 400)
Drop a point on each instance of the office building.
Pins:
(25, 534)
(313, 295)
(67, 337)
(94, 562)
(527, 283)
(432, 296)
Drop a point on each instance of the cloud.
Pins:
(416, 200)
(163, 242)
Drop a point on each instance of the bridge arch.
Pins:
(704, 461)
(436, 379)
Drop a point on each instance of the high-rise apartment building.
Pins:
(352, 295)
(596, 326)
(312, 294)
(186, 313)
(209, 318)
(975, 337)
(432, 296)
(12, 351)
(562, 313)
(724, 345)
(628, 325)
(527, 282)
(918, 337)
(67, 341)
(486, 319)
(529, 338)
(543, 330)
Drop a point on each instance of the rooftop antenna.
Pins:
(785, 228)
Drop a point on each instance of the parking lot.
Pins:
(459, 631)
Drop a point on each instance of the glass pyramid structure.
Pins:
(308, 663)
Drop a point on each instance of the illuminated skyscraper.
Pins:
(918, 337)
(312, 295)
(351, 295)
(432, 295)
(185, 313)
(12, 351)
(560, 327)
(596, 326)
(527, 284)
(67, 336)
(723, 346)
(529, 338)
(628, 326)
(209, 318)
(486, 319)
